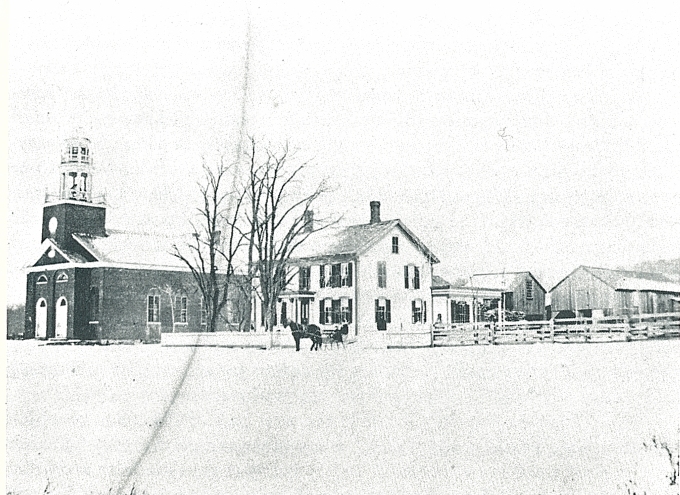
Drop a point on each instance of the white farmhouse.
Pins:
(377, 276)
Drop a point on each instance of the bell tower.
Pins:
(74, 210)
(76, 170)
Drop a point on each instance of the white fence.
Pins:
(614, 329)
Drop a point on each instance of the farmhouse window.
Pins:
(530, 289)
(418, 311)
(382, 310)
(382, 274)
(327, 313)
(74, 151)
(346, 310)
(346, 277)
(335, 275)
(411, 277)
(153, 309)
(94, 304)
(42, 279)
(335, 311)
(282, 275)
(395, 245)
(204, 313)
(305, 276)
(326, 278)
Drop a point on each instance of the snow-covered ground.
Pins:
(533, 419)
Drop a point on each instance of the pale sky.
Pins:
(400, 105)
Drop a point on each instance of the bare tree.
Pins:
(211, 256)
(174, 292)
(280, 220)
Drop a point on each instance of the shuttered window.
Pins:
(346, 310)
(418, 311)
(346, 274)
(382, 274)
(383, 310)
(304, 276)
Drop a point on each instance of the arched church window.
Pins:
(42, 279)
(62, 277)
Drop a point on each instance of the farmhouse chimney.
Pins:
(375, 211)
(308, 220)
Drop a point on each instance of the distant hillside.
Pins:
(670, 268)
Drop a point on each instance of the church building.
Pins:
(93, 283)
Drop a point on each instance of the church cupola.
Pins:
(75, 210)
(76, 170)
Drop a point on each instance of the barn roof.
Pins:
(354, 240)
(500, 281)
(633, 280)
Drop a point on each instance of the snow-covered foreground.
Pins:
(507, 419)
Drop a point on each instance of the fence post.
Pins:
(431, 335)
(552, 331)
(493, 333)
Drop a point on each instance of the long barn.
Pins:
(590, 291)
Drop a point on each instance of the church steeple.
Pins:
(76, 170)
(76, 210)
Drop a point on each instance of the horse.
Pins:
(301, 331)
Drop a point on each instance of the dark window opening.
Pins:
(153, 309)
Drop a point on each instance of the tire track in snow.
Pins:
(122, 488)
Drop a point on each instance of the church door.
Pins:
(41, 319)
(61, 318)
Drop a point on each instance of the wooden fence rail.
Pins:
(612, 329)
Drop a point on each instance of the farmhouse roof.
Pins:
(354, 240)
(500, 281)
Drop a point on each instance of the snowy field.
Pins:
(533, 419)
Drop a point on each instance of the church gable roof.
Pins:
(132, 248)
(53, 254)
